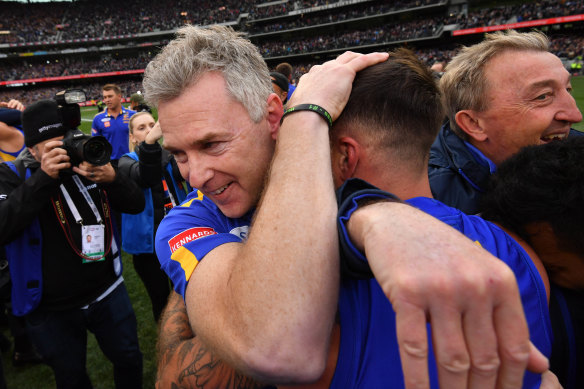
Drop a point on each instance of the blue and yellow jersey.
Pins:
(9, 155)
(190, 231)
(369, 353)
(115, 130)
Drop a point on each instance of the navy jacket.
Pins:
(456, 178)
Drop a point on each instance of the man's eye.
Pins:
(179, 156)
(210, 145)
(542, 96)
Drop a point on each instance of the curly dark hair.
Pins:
(541, 184)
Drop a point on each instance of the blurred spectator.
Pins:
(156, 172)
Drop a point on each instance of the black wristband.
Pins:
(310, 107)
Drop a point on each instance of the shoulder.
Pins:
(189, 232)
(128, 111)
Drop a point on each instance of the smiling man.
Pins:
(500, 95)
(262, 294)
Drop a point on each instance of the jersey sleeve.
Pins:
(187, 234)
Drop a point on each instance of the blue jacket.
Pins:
(138, 230)
(26, 273)
(456, 177)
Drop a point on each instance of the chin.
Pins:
(234, 212)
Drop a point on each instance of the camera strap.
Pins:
(87, 197)
(57, 205)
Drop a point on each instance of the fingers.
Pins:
(15, 104)
(549, 381)
(450, 348)
(481, 340)
(54, 159)
(98, 174)
(329, 85)
(413, 344)
(537, 362)
(513, 341)
(12, 104)
(359, 61)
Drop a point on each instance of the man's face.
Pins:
(529, 102)
(111, 99)
(217, 147)
(40, 148)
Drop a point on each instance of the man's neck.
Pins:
(114, 111)
(402, 181)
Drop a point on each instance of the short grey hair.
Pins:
(464, 85)
(196, 51)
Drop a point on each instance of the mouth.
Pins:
(554, 137)
(220, 190)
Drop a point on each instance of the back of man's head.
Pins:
(196, 51)
(285, 68)
(396, 105)
(541, 184)
(464, 85)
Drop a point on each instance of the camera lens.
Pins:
(97, 151)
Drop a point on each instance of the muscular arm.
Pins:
(268, 305)
(184, 362)
(479, 330)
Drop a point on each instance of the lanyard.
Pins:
(87, 197)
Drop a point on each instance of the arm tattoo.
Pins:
(185, 362)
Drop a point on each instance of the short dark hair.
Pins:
(113, 87)
(285, 68)
(541, 183)
(397, 102)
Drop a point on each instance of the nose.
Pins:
(200, 171)
(569, 111)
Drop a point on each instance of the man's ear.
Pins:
(345, 157)
(469, 122)
(275, 112)
(33, 150)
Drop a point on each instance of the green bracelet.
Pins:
(310, 107)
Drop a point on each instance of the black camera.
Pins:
(80, 147)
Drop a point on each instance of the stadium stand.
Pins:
(45, 47)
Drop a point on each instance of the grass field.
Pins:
(99, 368)
(578, 93)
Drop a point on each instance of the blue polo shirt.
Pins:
(115, 130)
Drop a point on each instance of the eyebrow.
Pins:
(208, 137)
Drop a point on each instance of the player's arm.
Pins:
(268, 305)
(479, 331)
(184, 362)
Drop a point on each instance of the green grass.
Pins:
(578, 93)
(98, 366)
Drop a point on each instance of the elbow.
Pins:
(286, 365)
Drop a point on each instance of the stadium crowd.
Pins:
(567, 47)
(141, 173)
(53, 23)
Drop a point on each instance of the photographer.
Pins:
(63, 285)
